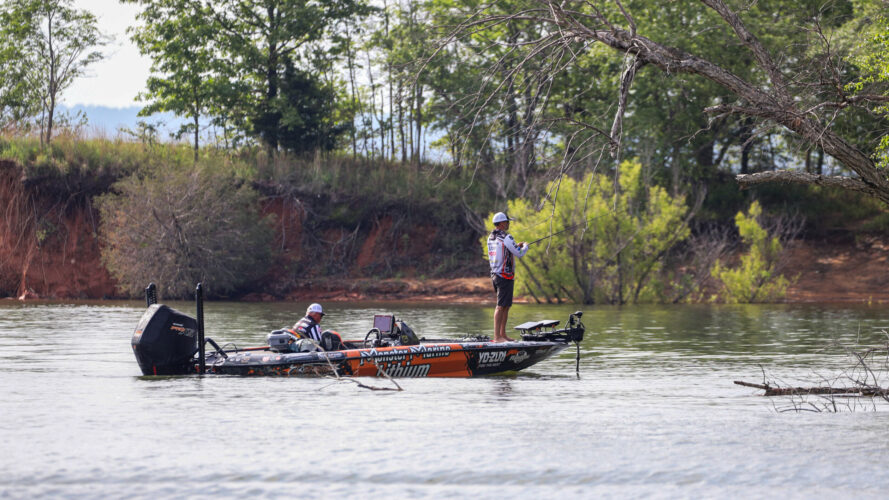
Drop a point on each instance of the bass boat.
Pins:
(169, 342)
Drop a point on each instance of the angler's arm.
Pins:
(514, 249)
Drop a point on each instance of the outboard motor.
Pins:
(165, 341)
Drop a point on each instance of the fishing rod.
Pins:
(558, 232)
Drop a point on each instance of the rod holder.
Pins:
(199, 303)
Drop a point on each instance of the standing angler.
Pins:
(501, 251)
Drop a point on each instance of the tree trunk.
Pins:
(196, 136)
(675, 169)
(272, 76)
(53, 76)
(419, 118)
(350, 61)
(401, 120)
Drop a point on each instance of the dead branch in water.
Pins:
(867, 377)
(796, 391)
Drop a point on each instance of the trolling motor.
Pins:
(545, 331)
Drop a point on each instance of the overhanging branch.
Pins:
(792, 177)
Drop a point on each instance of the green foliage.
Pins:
(617, 256)
(17, 100)
(88, 167)
(56, 44)
(180, 226)
(873, 61)
(755, 278)
(229, 59)
(186, 80)
(303, 116)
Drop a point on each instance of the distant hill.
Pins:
(111, 120)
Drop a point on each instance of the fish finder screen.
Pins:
(384, 322)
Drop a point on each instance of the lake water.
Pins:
(653, 414)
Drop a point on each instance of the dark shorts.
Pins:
(503, 287)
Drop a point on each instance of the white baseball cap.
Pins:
(500, 217)
(315, 308)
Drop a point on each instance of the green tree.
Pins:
(17, 102)
(873, 61)
(259, 38)
(305, 115)
(793, 76)
(756, 277)
(188, 76)
(59, 43)
(615, 255)
(180, 226)
(241, 50)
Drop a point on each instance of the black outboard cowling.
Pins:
(165, 341)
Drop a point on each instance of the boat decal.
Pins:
(382, 357)
(491, 358)
(431, 351)
(333, 356)
(520, 356)
(406, 370)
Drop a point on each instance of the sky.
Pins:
(115, 81)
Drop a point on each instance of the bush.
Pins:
(756, 278)
(616, 254)
(180, 226)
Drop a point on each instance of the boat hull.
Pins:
(463, 359)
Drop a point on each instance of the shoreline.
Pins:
(842, 273)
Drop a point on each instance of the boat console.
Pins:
(388, 332)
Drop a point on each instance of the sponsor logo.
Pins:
(520, 356)
(181, 330)
(406, 370)
(432, 351)
(488, 359)
(383, 356)
(401, 354)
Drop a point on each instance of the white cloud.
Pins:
(116, 80)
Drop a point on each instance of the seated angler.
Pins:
(308, 328)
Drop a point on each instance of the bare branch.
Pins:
(626, 80)
(793, 177)
(749, 39)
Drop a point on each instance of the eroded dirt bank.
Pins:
(49, 246)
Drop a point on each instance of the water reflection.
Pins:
(502, 389)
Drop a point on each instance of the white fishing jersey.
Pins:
(501, 251)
